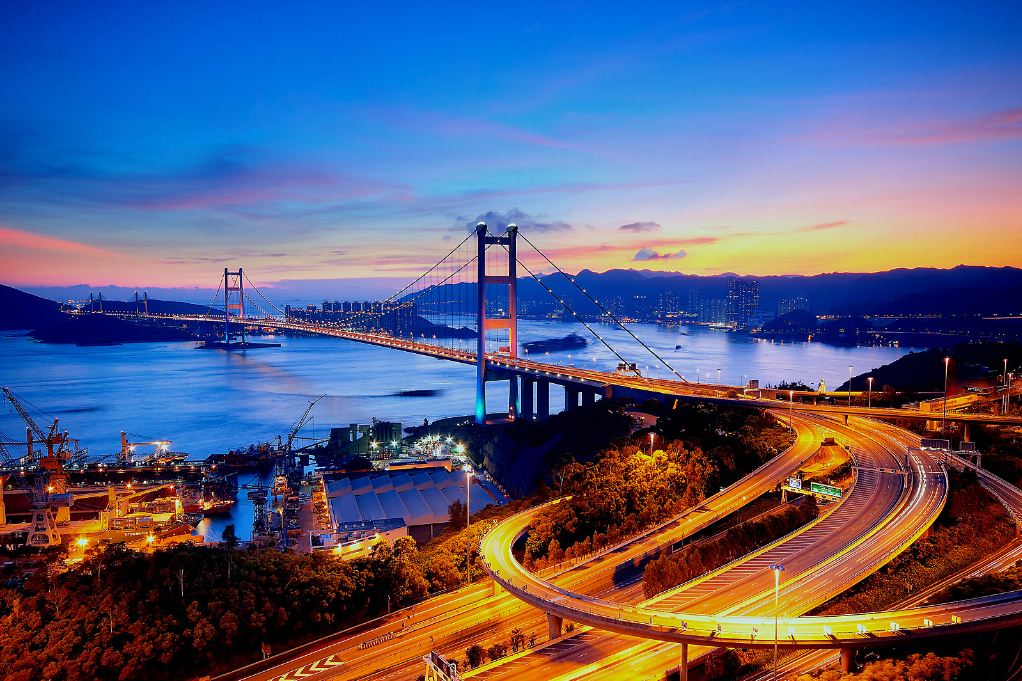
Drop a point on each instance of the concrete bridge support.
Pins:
(528, 391)
(683, 667)
(513, 405)
(847, 658)
(553, 623)
(588, 397)
(570, 398)
(542, 400)
(965, 431)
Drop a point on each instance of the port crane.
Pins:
(48, 474)
(59, 446)
(127, 454)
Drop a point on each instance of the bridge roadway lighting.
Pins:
(869, 395)
(943, 418)
(777, 569)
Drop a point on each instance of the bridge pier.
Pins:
(513, 405)
(965, 431)
(570, 398)
(847, 659)
(542, 400)
(528, 390)
(588, 397)
(553, 623)
(683, 667)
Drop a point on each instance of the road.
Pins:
(452, 622)
(884, 513)
(1010, 497)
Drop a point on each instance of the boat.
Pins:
(572, 341)
(216, 507)
(253, 458)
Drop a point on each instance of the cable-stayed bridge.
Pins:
(464, 308)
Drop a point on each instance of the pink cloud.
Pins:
(819, 227)
(16, 238)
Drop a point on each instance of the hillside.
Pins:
(25, 311)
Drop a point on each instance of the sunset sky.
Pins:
(151, 144)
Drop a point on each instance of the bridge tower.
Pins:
(234, 282)
(486, 323)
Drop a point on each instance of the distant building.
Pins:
(786, 305)
(713, 310)
(742, 301)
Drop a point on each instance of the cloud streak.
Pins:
(648, 254)
(640, 227)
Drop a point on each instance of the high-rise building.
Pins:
(742, 301)
(786, 305)
(713, 310)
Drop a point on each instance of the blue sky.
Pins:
(148, 144)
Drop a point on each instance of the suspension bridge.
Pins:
(464, 308)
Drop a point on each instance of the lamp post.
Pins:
(1007, 388)
(849, 385)
(651, 436)
(777, 570)
(791, 401)
(468, 519)
(869, 395)
(943, 418)
(718, 376)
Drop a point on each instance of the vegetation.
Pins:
(984, 585)
(916, 667)
(627, 489)
(972, 525)
(193, 609)
(670, 570)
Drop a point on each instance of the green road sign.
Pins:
(825, 490)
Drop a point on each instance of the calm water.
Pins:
(210, 401)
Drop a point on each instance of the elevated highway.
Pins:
(884, 513)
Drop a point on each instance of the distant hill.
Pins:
(22, 310)
(964, 289)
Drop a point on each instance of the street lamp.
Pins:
(849, 385)
(869, 398)
(791, 401)
(1007, 388)
(651, 436)
(943, 418)
(468, 520)
(718, 376)
(777, 569)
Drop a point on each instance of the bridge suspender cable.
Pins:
(568, 308)
(602, 308)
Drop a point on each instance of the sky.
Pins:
(152, 144)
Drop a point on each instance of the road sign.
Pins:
(825, 490)
(929, 443)
(795, 482)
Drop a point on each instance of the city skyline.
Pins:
(148, 147)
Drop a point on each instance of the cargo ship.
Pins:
(572, 341)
